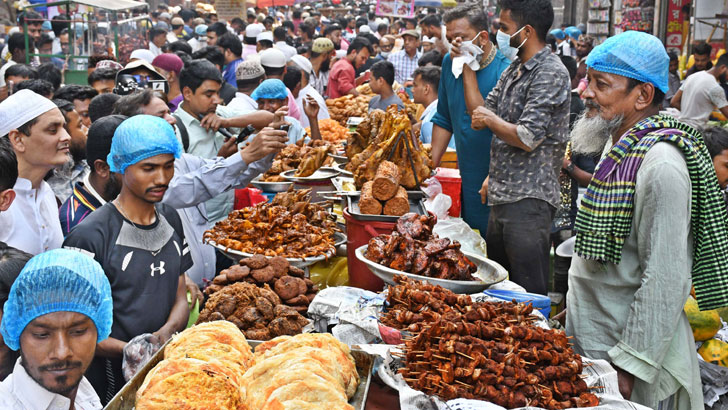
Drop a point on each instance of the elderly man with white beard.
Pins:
(651, 221)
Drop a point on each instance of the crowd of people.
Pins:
(106, 189)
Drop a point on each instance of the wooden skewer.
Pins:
(440, 357)
(464, 355)
(595, 387)
(464, 384)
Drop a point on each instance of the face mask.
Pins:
(385, 54)
(467, 47)
(504, 44)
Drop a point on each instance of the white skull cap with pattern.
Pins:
(21, 107)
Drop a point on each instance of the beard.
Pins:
(112, 189)
(591, 134)
(325, 66)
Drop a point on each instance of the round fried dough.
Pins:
(168, 367)
(218, 339)
(192, 390)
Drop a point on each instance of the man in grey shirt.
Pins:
(528, 112)
(381, 84)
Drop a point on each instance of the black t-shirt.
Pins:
(142, 263)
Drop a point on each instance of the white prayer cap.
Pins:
(426, 39)
(142, 54)
(21, 107)
(365, 29)
(252, 30)
(266, 35)
(303, 63)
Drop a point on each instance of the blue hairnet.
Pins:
(60, 280)
(558, 33)
(141, 137)
(573, 32)
(273, 88)
(632, 54)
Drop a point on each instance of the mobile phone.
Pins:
(284, 127)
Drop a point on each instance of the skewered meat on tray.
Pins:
(483, 350)
(413, 248)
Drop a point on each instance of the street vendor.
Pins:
(528, 112)
(272, 96)
(58, 309)
(652, 221)
(469, 24)
(140, 245)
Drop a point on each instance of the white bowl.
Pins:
(489, 272)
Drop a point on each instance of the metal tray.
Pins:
(489, 272)
(321, 174)
(417, 205)
(271, 186)
(235, 256)
(126, 398)
(340, 166)
(340, 159)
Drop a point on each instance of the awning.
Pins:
(104, 4)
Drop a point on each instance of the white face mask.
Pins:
(385, 54)
(467, 47)
(504, 44)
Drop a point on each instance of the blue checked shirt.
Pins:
(404, 65)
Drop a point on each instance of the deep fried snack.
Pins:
(236, 273)
(280, 265)
(256, 262)
(287, 287)
(211, 390)
(263, 275)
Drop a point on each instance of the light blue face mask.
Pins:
(504, 44)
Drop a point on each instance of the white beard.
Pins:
(591, 134)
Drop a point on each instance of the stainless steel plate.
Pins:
(340, 159)
(271, 186)
(321, 174)
(297, 262)
(341, 167)
(489, 272)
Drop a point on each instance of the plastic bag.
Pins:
(457, 230)
(137, 353)
(437, 202)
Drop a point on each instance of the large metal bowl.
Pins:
(489, 273)
(235, 256)
(271, 186)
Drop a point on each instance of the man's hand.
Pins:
(229, 148)
(565, 163)
(484, 190)
(4, 92)
(278, 117)
(194, 291)
(267, 141)
(455, 47)
(481, 118)
(311, 107)
(161, 336)
(213, 122)
(626, 382)
(560, 317)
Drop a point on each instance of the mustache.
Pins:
(156, 187)
(589, 103)
(63, 365)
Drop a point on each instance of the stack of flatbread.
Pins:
(306, 371)
(203, 369)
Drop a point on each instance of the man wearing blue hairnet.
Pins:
(652, 220)
(272, 96)
(58, 310)
(141, 245)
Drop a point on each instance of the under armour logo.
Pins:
(159, 269)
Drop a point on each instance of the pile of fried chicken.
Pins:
(377, 137)
(290, 226)
(413, 248)
(304, 158)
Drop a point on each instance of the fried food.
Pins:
(168, 367)
(300, 371)
(331, 130)
(254, 310)
(384, 143)
(214, 340)
(192, 390)
(340, 109)
(305, 159)
(413, 248)
(291, 226)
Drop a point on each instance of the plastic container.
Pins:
(359, 233)
(246, 197)
(452, 186)
(540, 302)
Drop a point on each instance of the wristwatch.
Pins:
(570, 168)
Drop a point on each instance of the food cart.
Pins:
(113, 27)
